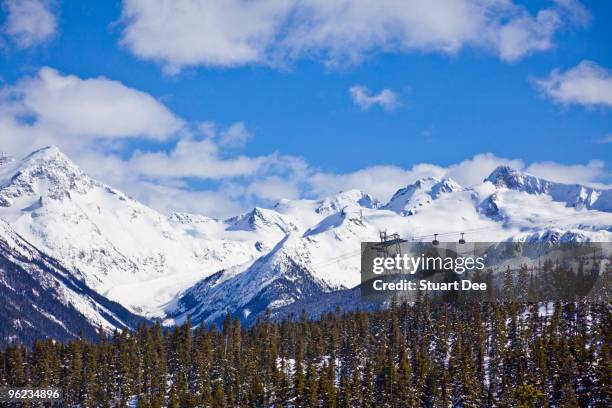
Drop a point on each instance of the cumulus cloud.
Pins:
(66, 110)
(571, 174)
(192, 32)
(29, 22)
(97, 107)
(474, 170)
(168, 198)
(165, 180)
(526, 34)
(229, 33)
(380, 181)
(194, 158)
(165, 195)
(364, 98)
(92, 120)
(587, 84)
(272, 188)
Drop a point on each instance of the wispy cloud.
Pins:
(229, 33)
(29, 22)
(606, 139)
(236, 135)
(365, 99)
(587, 84)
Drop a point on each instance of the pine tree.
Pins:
(219, 397)
(344, 393)
(527, 396)
(143, 402)
(395, 357)
(300, 381)
(406, 395)
(173, 401)
(312, 386)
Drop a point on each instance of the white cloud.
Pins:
(92, 119)
(234, 136)
(29, 22)
(364, 98)
(97, 107)
(192, 32)
(163, 194)
(51, 108)
(272, 188)
(526, 34)
(380, 181)
(194, 158)
(476, 169)
(164, 180)
(228, 33)
(168, 198)
(587, 84)
(571, 174)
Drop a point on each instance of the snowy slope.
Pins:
(406, 201)
(573, 195)
(121, 248)
(327, 253)
(172, 266)
(39, 298)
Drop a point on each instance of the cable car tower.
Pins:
(389, 241)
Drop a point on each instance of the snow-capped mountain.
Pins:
(186, 264)
(119, 247)
(573, 195)
(40, 298)
(406, 201)
(274, 280)
(327, 253)
(335, 204)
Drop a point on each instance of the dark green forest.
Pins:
(504, 354)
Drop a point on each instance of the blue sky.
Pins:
(455, 93)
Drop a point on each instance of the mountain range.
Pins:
(77, 254)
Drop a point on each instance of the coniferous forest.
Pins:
(504, 354)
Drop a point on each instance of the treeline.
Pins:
(422, 355)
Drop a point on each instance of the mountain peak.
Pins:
(260, 219)
(506, 176)
(44, 172)
(573, 195)
(48, 153)
(353, 197)
(406, 200)
(49, 149)
(501, 173)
